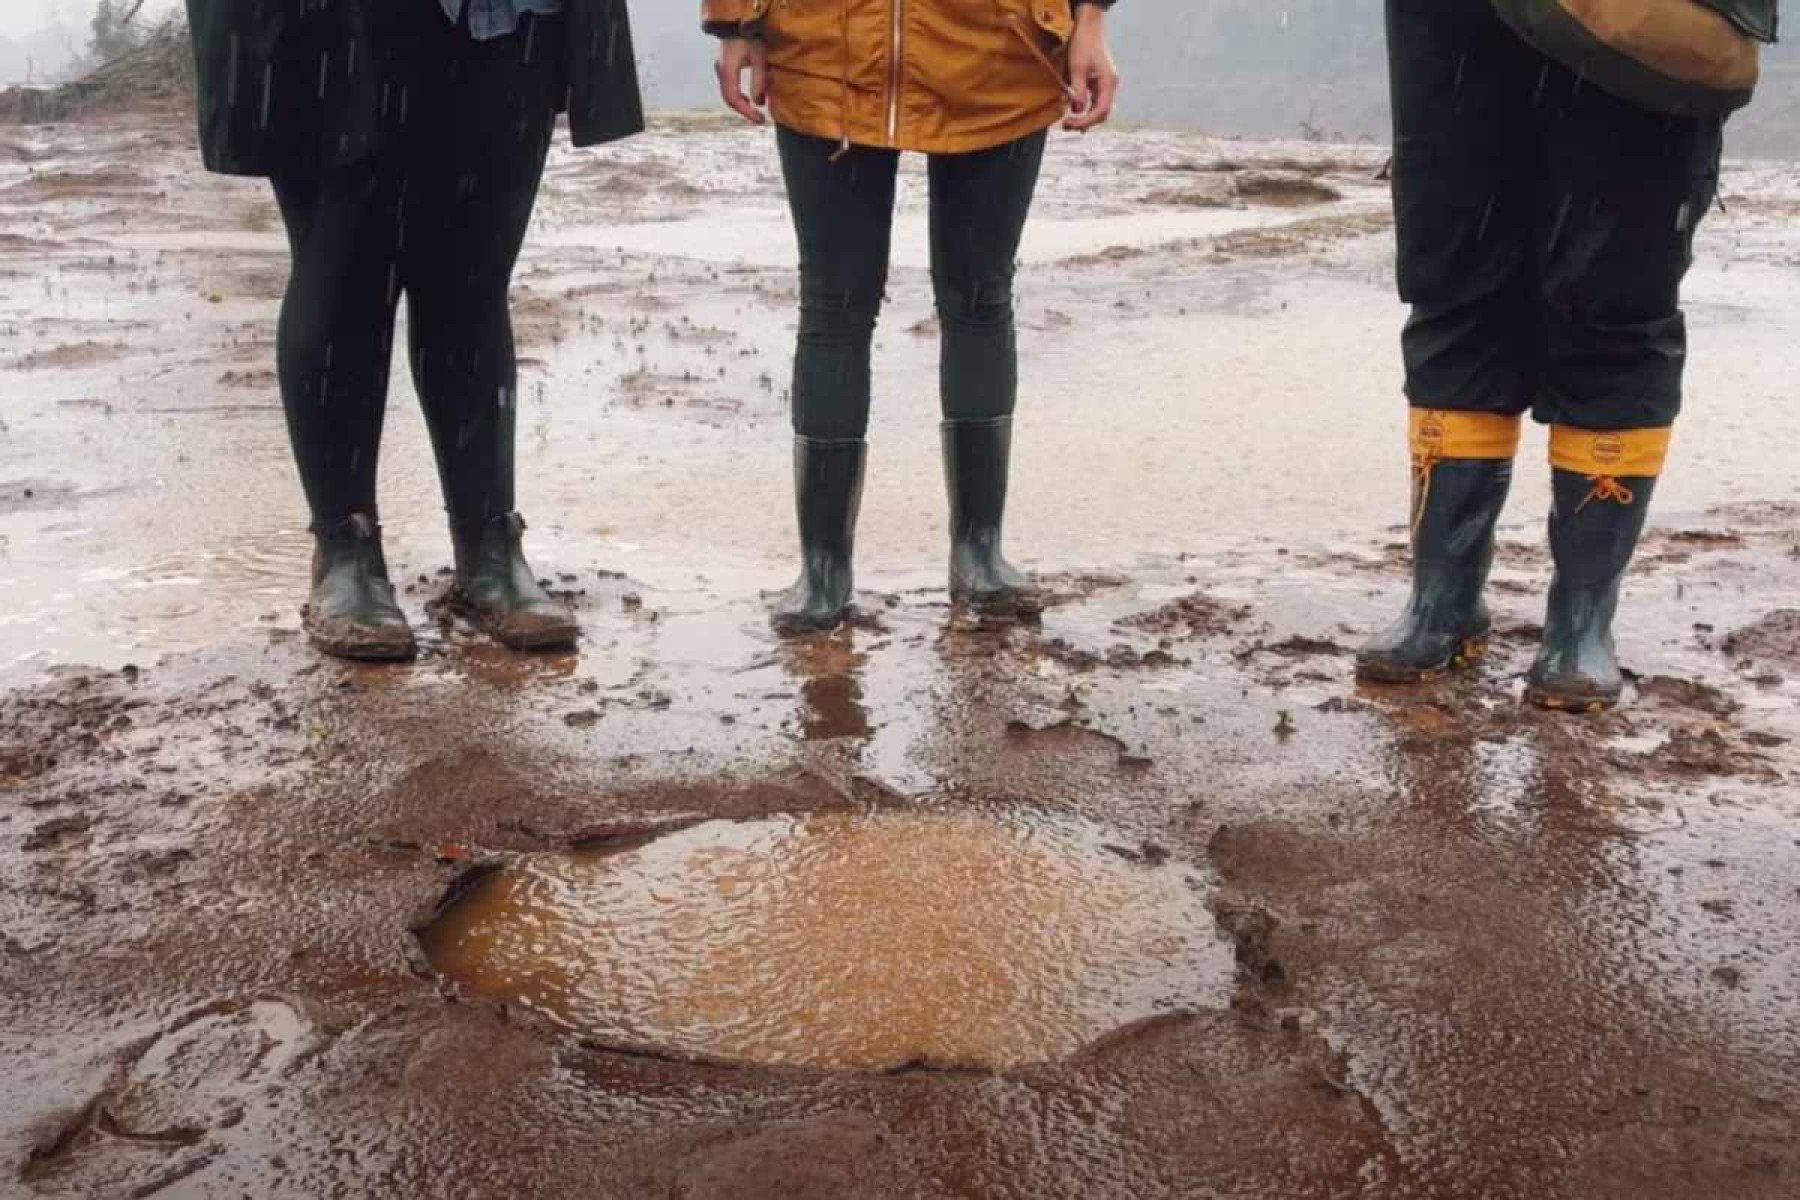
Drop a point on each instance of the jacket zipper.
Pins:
(896, 51)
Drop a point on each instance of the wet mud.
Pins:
(1452, 947)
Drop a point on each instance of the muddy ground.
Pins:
(1481, 952)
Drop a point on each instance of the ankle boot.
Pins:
(1446, 623)
(977, 460)
(352, 612)
(828, 485)
(497, 590)
(1595, 524)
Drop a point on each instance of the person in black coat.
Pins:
(405, 141)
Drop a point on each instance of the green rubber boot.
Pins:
(1595, 525)
(352, 612)
(1446, 623)
(828, 487)
(977, 465)
(498, 592)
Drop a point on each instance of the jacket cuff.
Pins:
(734, 18)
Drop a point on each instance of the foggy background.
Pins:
(1255, 68)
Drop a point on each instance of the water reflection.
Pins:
(831, 689)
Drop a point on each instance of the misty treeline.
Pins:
(1311, 69)
(1254, 68)
(116, 28)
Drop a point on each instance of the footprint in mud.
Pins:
(1772, 641)
(156, 1122)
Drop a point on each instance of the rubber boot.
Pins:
(1446, 623)
(828, 487)
(1595, 524)
(497, 591)
(352, 612)
(977, 458)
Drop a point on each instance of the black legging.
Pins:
(844, 216)
(440, 215)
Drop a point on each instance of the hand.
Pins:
(1093, 79)
(735, 56)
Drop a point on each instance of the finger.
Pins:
(1080, 94)
(1106, 96)
(759, 80)
(1081, 98)
(1083, 118)
(731, 87)
(1104, 90)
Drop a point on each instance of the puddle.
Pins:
(845, 941)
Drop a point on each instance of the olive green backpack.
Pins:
(1695, 58)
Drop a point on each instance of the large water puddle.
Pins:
(845, 940)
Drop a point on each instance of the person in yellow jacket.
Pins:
(850, 84)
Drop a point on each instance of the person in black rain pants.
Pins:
(1545, 227)
(406, 140)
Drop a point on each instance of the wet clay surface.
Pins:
(1476, 951)
(870, 941)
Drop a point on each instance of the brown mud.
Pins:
(1476, 951)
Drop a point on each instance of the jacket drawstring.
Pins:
(1037, 52)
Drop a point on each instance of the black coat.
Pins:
(295, 86)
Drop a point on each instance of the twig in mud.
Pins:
(1626, 831)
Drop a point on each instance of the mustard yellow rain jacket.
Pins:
(938, 76)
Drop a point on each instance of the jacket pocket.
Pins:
(1054, 17)
(1758, 19)
(1043, 27)
(1051, 22)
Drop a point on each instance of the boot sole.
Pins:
(549, 639)
(1586, 706)
(356, 643)
(537, 643)
(1469, 655)
(363, 650)
(1019, 606)
(790, 625)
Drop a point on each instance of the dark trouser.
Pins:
(844, 215)
(440, 215)
(1544, 228)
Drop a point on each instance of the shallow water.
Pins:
(829, 941)
(1186, 357)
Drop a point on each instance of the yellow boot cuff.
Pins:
(1440, 433)
(1614, 454)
